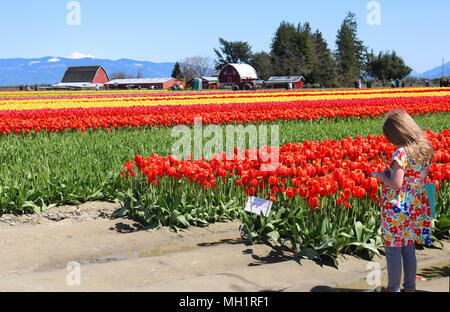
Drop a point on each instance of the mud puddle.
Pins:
(159, 251)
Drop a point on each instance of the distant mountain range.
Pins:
(433, 73)
(50, 70)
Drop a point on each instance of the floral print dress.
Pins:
(405, 214)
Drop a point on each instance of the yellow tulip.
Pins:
(187, 99)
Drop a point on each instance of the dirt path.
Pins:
(82, 249)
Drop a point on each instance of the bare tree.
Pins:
(139, 72)
(196, 66)
(120, 75)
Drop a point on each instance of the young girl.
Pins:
(405, 209)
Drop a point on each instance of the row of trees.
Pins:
(297, 50)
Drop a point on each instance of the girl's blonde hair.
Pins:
(402, 131)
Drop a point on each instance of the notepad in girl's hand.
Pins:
(431, 193)
(258, 206)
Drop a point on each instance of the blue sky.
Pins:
(167, 31)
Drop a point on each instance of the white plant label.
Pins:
(258, 206)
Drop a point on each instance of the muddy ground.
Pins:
(81, 248)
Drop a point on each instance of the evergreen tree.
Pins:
(284, 50)
(350, 53)
(305, 48)
(324, 71)
(292, 50)
(176, 73)
(232, 52)
(262, 63)
(387, 66)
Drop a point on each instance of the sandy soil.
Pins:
(81, 248)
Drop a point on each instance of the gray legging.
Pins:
(394, 257)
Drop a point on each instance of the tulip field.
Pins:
(67, 147)
(59, 111)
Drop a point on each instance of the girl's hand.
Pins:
(381, 176)
(396, 180)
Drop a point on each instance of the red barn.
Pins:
(86, 74)
(238, 76)
(83, 77)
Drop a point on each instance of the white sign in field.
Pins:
(258, 206)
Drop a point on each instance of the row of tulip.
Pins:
(205, 99)
(12, 95)
(311, 169)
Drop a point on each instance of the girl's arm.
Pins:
(426, 173)
(396, 181)
(428, 168)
